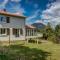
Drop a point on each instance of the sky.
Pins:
(35, 10)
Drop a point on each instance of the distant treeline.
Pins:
(51, 34)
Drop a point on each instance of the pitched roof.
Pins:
(10, 14)
(30, 27)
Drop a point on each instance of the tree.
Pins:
(48, 31)
(57, 33)
(52, 34)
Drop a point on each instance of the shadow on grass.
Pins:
(18, 52)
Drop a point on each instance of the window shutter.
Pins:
(1, 19)
(7, 20)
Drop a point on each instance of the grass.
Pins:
(53, 49)
(31, 51)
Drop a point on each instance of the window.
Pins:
(4, 19)
(16, 32)
(3, 31)
(32, 32)
(21, 31)
(7, 20)
(8, 31)
(1, 19)
(26, 32)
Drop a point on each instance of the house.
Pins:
(12, 26)
(30, 31)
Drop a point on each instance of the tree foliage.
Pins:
(52, 34)
(57, 33)
(48, 31)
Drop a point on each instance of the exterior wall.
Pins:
(21, 37)
(14, 23)
(4, 38)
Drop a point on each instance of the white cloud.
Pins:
(31, 17)
(34, 15)
(5, 1)
(3, 4)
(16, 0)
(19, 10)
(52, 14)
(40, 21)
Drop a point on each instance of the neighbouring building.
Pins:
(31, 31)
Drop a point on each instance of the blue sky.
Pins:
(35, 10)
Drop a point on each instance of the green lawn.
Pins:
(31, 51)
(53, 49)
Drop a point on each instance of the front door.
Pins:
(16, 32)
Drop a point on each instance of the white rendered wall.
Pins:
(14, 23)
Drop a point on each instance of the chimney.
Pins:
(4, 10)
